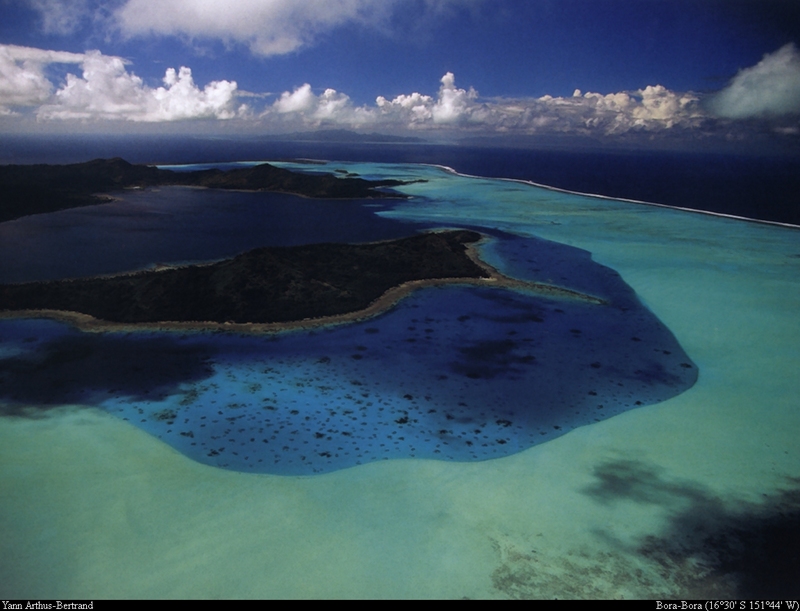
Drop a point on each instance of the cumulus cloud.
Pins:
(22, 78)
(268, 27)
(303, 108)
(301, 100)
(771, 88)
(413, 109)
(452, 106)
(649, 110)
(653, 108)
(106, 89)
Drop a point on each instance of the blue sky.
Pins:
(640, 70)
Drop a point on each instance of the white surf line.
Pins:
(542, 186)
(617, 199)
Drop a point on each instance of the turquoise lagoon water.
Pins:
(491, 465)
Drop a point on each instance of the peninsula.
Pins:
(269, 288)
(35, 189)
(265, 285)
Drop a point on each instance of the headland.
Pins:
(269, 289)
(36, 189)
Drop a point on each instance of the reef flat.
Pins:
(36, 189)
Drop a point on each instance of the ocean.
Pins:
(478, 443)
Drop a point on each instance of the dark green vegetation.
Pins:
(34, 189)
(264, 285)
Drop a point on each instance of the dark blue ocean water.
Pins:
(758, 187)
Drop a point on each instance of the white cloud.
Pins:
(649, 110)
(106, 90)
(22, 78)
(182, 99)
(267, 27)
(302, 108)
(301, 100)
(61, 16)
(652, 109)
(453, 104)
(661, 108)
(331, 105)
(771, 88)
(413, 109)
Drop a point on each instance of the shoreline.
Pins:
(495, 279)
(532, 183)
(46, 188)
(386, 195)
(616, 199)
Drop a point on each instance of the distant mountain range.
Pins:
(345, 135)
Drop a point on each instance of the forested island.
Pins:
(261, 286)
(39, 188)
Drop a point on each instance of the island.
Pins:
(260, 290)
(41, 188)
(268, 288)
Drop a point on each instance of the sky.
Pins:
(636, 71)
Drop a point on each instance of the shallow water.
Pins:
(97, 507)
